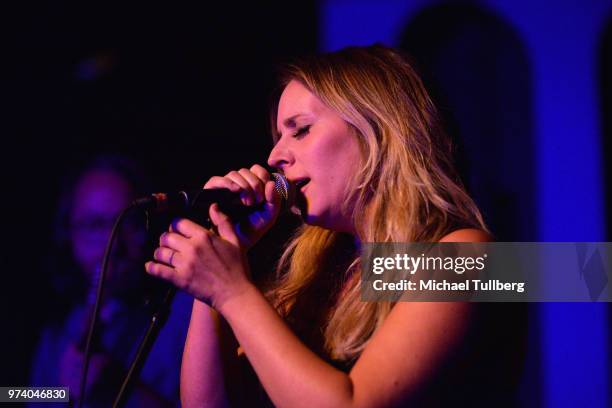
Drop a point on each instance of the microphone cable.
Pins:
(96, 309)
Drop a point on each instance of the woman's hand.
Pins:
(210, 267)
(256, 188)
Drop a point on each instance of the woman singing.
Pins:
(358, 136)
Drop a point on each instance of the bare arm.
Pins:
(403, 354)
(421, 335)
(401, 357)
(202, 375)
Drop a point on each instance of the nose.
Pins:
(280, 156)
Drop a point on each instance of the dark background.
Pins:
(182, 89)
(185, 90)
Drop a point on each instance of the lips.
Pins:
(300, 184)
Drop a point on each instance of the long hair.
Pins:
(406, 191)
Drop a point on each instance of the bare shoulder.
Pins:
(467, 235)
(416, 340)
(406, 352)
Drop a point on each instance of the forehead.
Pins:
(295, 100)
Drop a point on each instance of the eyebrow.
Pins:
(287, 122)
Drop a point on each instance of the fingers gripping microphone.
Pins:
(199, 201)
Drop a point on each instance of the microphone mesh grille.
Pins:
(284, 189)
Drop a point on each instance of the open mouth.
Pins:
(299, 184)
(300, 207)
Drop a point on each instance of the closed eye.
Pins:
(301, 132)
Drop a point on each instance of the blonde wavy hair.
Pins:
(406, 191)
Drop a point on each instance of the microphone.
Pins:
(198, 201)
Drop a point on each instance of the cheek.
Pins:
(336, 160)
(336, 151)
(345, 161)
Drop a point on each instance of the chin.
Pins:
(323, 222)
(324, 218)
(311, 219)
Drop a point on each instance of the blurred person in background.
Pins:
(87, 211)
